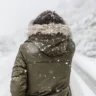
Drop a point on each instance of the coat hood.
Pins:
(51, 39)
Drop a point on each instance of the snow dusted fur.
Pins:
(49, 29)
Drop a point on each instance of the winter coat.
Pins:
(43, 63)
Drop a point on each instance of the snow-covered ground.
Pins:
(80, 16)
(84, 70)
(82, 84)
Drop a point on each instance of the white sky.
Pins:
(15, 14)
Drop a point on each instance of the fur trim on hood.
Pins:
(49, 29)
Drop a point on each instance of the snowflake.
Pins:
(42, 44)
(54, 77)
(49, 45)
(58, 60)
(66, 63)
(42, 49)
(25, 71)
(57, 90)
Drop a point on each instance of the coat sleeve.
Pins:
(18, 86)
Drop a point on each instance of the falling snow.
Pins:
(81, 18)
(57, 90)
(66, 63)
(58, 60)
(54, 77)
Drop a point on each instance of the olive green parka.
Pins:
(43, 63)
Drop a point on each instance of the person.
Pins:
(43, 63)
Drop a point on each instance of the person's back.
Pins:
(43, 64)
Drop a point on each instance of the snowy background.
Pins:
(80, 15)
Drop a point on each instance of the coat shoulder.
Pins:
(28, 48)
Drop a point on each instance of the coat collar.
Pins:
(49, 29)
